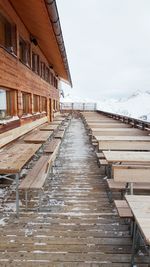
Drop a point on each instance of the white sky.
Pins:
(108, 46)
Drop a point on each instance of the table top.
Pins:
(140, 206)
(127, 156)
(38, 137)
(15, 157)
(123, 138)
(108, 125)
(116, 130)
(100, 121)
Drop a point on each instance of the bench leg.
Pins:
(52, 169)
(108, 171)
(26, 199)
(17, 195)
(40, 200)
(110, 197)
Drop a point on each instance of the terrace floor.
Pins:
(77, 226)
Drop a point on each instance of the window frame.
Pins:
(9, 42)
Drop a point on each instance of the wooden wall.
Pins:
(15, 75)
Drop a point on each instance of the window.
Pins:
(7, 35)
(26, 99)
(7, 103)
(35, 63)
(24, 52)
(47, 78)
(36, 103)
(54, 107)
(43, 104)
(43, 70)
(51, 79)
(56, 84)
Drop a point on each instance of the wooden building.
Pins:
(32, 61)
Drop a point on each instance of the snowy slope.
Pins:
(137, 105)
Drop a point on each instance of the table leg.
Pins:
(17, 195)
(131, 188)
(135, 244)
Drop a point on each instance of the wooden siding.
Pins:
(19, 77)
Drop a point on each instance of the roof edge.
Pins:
(54, 18)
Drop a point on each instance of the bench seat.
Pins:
(59, 134)
(113, 185)
(52, 146)
(103, 162)
(100, 155)
(123, 209)
(36, 177)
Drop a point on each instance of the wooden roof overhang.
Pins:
(42, 21)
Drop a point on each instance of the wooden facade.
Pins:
(31, 64)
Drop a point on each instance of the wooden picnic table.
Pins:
(12, 161)
(14, 158)
(38, 137)
(140, 207)
(101, 121)
(108, 125)
(117, 131)
(123, 142)
(123, 138)
(127, 156)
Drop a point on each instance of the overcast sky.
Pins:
(108, 46)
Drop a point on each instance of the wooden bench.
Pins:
(103, 162)
(59, 134)
(62, 128)
(13, 134)
(132, 174)
(36, 177)
(100, 155)
(131, 177)
(123, 209)
(52, 146)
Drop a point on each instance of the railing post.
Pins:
(72, 105)
(83, 106)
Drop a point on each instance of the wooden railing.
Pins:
(78, 106)
(143, 125)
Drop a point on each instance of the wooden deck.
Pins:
(77, 225)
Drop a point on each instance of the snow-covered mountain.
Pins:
(136, 105)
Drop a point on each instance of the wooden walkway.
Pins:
(77, 225)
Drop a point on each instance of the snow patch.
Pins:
(2, 222)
